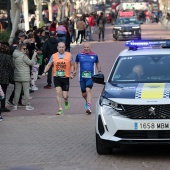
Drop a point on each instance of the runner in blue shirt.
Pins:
(87, 60)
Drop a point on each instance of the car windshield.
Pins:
(121, 21)
(150, 68)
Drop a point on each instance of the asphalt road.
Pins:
(40, 140)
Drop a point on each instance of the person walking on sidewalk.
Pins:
(87, 59)
(101, 25)
(63, 63)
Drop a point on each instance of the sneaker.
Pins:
(48, 87)
(34, 88)
(29, 108)
(4, 110)
(103, 40)
(88, 111)
(15, 108)
(66, 105)
(60, 112)
(10, 103)
(21, 105)
(98, 40)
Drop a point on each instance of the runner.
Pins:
(87, 59)
(62, 63)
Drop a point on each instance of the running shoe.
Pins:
(66, 105)
(60, 112)
(88, 111)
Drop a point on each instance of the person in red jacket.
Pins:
(53, 27)
(91, 24)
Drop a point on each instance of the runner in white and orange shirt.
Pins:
(63, 67)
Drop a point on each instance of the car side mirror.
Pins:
(98, 78)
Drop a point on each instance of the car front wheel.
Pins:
(102, 150)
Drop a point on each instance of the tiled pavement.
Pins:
(39, 140)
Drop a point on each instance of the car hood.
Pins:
(142, 93)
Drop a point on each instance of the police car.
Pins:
(134, 106)
(127, 28)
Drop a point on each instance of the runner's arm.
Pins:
(48, 66)
(75, 68)
(98, 67)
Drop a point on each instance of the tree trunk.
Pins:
(13, 10)
(18, 5)
(25, 4)
(50, 11)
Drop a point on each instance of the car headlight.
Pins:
(110, 104)
(117, 28)
(135, 27)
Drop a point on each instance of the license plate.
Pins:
(127, 33)
(152, 126)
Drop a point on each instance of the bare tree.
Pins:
(16, 10)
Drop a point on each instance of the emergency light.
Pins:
(134, 44)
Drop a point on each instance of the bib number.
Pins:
(60, 73)
(86, 74)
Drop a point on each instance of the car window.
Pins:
(126, 21)
(155, 69)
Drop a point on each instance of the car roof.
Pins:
(145, 51)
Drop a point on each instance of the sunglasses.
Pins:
(24, 48)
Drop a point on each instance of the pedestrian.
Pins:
(87, 59)
(6, 72)
(101, 25)
(61, 32)
(22, 74)
(49, 48)
(63, 63)
(91, 24)
(81, 28)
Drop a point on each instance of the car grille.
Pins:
(143, 134)
(146, 111)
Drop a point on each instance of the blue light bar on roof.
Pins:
(147, 43)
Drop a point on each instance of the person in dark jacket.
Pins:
(6, 72)
(101, 25)
(49, 48)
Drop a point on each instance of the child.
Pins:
(34, 75)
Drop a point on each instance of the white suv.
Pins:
(134, 106)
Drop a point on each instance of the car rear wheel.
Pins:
(102, 150)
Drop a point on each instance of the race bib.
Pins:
(86, 74)
(60, 73)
